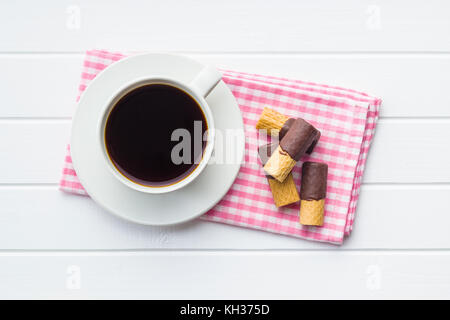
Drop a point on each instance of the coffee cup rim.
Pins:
(133, 85)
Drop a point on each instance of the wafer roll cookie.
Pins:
(311, 212)
(313, 193)
(271, 121)
(285, 192)
(279, 165)
(276, 123)
(300, 138)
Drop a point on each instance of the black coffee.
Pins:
(139, 129)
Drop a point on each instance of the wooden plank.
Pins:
(387, 217)
(39, 85)
(226, 275)
(233, 25)
(32, 152)
(45, 85)
(409, 151)
(404, 151)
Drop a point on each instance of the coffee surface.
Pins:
(139, 129)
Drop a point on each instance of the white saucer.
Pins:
(151, 209)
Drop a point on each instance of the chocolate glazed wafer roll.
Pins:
(276, 123)
(313, 192)
(285, 192)
(301, 137)
(271, 121)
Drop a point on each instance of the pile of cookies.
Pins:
(297, 137)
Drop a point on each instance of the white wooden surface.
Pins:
(56, 245)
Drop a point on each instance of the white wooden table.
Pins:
(57, 245)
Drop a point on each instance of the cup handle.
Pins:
(205, 81)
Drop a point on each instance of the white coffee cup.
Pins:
(199, 88)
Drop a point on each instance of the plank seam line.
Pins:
(245, 53)
(337, 250)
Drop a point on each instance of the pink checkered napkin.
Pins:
(346, 119)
